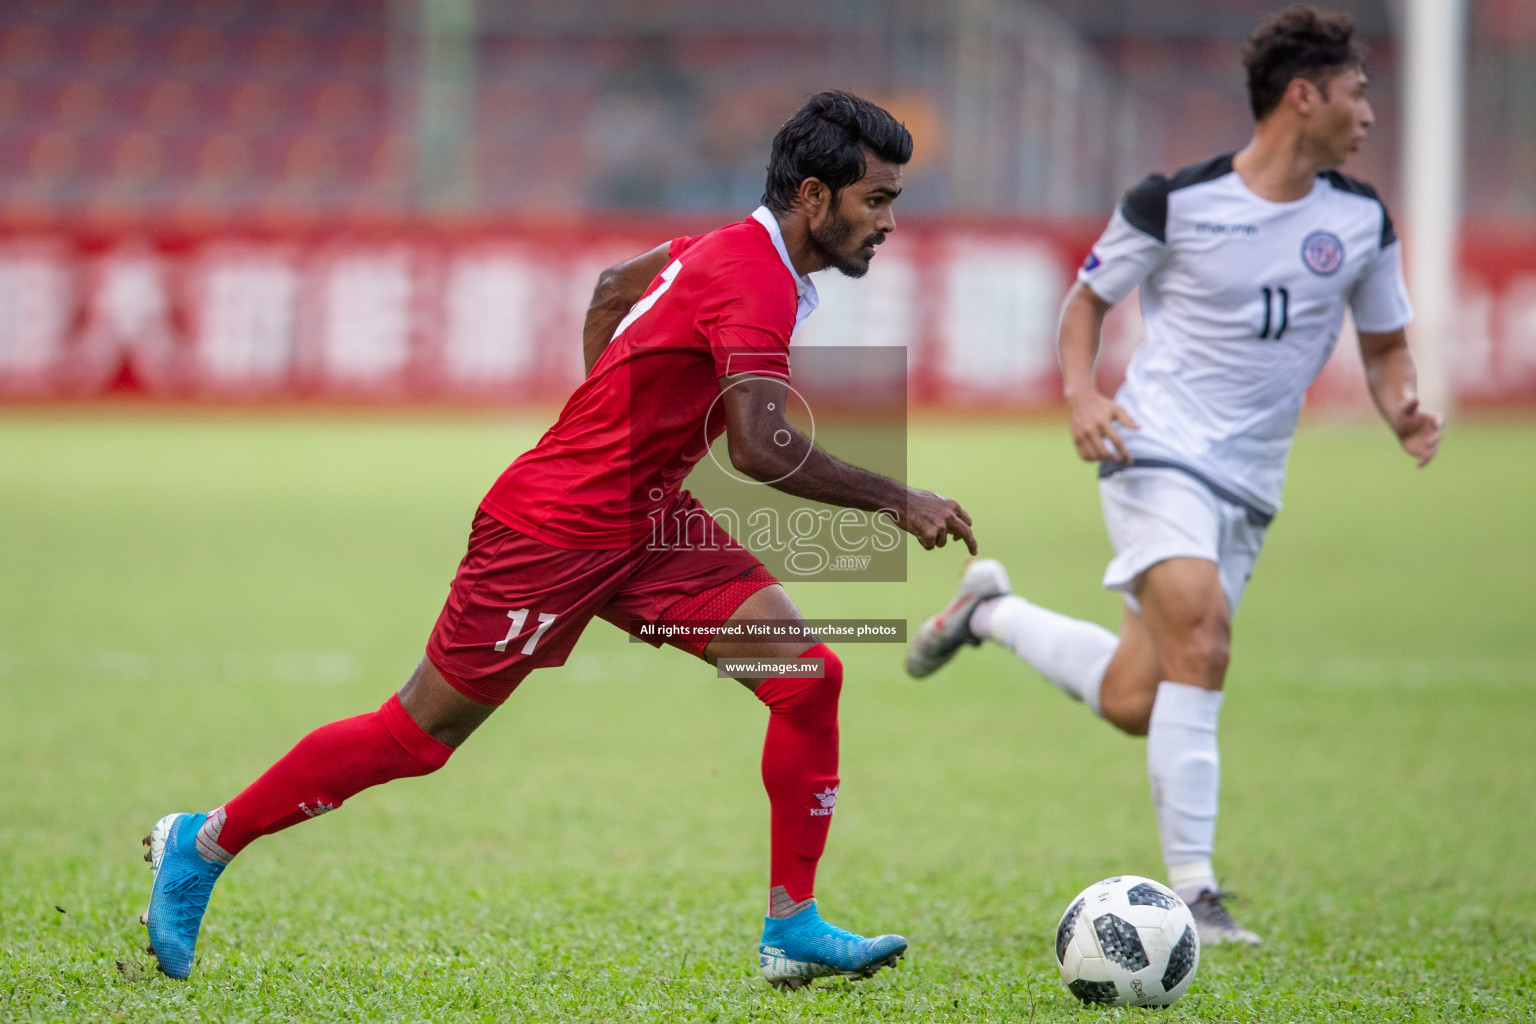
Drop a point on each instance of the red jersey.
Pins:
(727, 303)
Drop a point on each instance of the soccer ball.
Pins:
(1127, 941)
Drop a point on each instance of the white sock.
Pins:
(1190, 880)
(1185, 770)
(1070, 653)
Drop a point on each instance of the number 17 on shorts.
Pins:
(519, 616)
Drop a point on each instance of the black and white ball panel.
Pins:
(1120, 942)
(1064, 930)
(1146, 894)
(1095, 991)
(1127, 941)
(1181, 960)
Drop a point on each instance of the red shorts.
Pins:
(518, 604)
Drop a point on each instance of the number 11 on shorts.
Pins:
(518, 617)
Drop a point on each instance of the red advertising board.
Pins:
(493, 313)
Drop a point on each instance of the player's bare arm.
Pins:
(618, 288)
(1393, 382)
(1092, 416)
(766, 447)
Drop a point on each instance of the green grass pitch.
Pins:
(181, 598)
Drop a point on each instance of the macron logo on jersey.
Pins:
(1092, 262)
(1211, 228)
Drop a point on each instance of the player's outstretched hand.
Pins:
(1418, 431)
(933, 519)
(1093, 418)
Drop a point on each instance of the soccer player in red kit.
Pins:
(681, 343)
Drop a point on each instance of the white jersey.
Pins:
(1243, 300)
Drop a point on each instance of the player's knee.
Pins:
(418, 751)
(1130, 713)
(832, 669)
(1211, 650)
(813, 699)
(823, 694)
(1200, 653)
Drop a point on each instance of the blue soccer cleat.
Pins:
(798, 948)
(183, 883)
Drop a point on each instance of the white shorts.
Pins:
(1154, 514)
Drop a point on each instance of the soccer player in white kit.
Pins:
(1246, 263)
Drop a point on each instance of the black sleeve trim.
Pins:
(1145, 207)
(1344, 183)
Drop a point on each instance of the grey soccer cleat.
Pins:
(938, 638)
(1215, 923)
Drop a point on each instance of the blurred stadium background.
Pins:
(298, 205)
(387, 200)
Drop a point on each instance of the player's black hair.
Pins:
(826, 140)
(1298, 42)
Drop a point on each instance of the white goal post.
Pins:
(1433, 71)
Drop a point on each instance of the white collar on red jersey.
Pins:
(805, 288)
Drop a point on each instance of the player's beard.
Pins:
(833, 242)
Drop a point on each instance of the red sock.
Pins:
(324, 769)
(800, 774)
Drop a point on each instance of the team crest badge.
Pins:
(1322, 252)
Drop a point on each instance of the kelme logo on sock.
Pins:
(828, 798)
